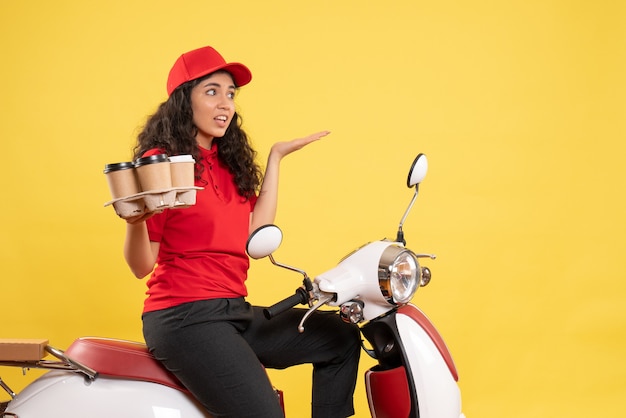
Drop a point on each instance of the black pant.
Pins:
(218, 348)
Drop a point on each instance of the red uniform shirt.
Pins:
(202, 247)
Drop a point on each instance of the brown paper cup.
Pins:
(122, 179)
(182, 170)
(154, 172)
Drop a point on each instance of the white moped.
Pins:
(415, 375)
(372, 286)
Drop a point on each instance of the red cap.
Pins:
(202, 61)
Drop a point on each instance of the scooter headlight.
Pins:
(398, 274)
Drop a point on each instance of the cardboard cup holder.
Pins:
(151, 184)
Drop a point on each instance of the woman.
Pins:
(196, 319)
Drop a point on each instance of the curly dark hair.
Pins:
(172, 130)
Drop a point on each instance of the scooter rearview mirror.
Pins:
(418, 171)
(263, 241)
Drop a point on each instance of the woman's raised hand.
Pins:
(281, 149)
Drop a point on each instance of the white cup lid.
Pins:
(182, 159)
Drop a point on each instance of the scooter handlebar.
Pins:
(299, 298)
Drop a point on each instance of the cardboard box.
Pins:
(22, 349)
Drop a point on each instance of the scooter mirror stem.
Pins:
(285, 266)
(306, 281)
(400, 236)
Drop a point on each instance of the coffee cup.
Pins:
(154, 172)
(182, 170)
(122, 179)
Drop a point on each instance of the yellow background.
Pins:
(519, 105)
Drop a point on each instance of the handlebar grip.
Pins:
(300, 297)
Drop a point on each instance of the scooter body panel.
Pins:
(351, 279)
(438, 393)
(71, 395)
(415, 376)
(388, 393)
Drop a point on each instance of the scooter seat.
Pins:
(121, 358)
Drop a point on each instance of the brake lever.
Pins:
(322, 301)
